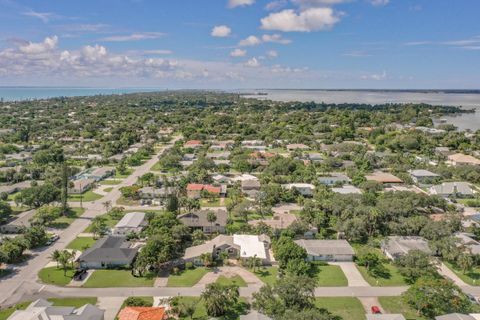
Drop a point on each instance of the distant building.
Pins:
(305, 189)
(383, 177)
(194, 190)
(327, 250)
(466, 240)
(81, 185)
(19, 223)
(142, 313)
(463, 159)
(199, 220)
(347, 189)
(297, 146)
(44, 310)
(131, 222)
(193, 144)
(423, 176)
(449, 189)
(334, 178)
(396, 246)
(108, 252)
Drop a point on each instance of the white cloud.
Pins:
(277, 38)
(37, 48)
(379, 3)
(250, 41)
(221, 31)
(375, 76)
(252, 63)
(240, 3)
(159, 51)
(238, 53)
(44, 16)
(313, 19)
(134, 37)
(272, 54)
(318, 3)
(275, 5)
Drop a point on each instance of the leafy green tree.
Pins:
(99, 226)
(285, 250)
(219, 299)
(465, 262)
(416, 264)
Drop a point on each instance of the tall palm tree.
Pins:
(55, 256)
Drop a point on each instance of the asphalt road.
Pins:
(12, 287)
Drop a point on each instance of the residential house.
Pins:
(108, 252)
(194, 190)
(315, 157)
(193, 144)
(456, 316)
(251, 187)
(155, 195)
(396, 246)
(19, 223)
(305, 189)
(297, 146)
(199, 220)
(221, 179)
(327, 250)
(442, 151)
(466, 240)
(16, 187)
(279, 221)
(347, 189)
(102, 173)
(453, 189)
(458, 159)
(81, 185)
(131, 222)
(142, 313)
(219, 155)
(421, 176)
(44, 310)
(334, 179)
(236, 246)
(383, 177)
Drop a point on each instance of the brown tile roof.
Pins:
(142, 313)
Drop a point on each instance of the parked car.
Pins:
(376, 310)
(80, 274)
(53, 239)
(473, 299)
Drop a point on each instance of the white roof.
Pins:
(250, 246)
(348, 189)
(422, 173)
(131, 220)
(299, 185)
(244, 177)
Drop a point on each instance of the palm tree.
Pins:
(207, 259)
(211, 217)
(107, 205)
(187, 309)
(55, 256)
(465, 262)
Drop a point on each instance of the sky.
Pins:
(235, 44)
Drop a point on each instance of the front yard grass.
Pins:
(392, 277)
(268, 275)
(345, 307)
(81, 243)
(237, 280)
(110, 182)
(55, 276)
(73, 302)
(471, 277)
(7, 312)
(122, 176)
(329, 276)
(397, 305)
(117, 278)
(187, 278)
(109, 221)
(86, 196)
(64, 221)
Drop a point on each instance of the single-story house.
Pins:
(220, 162)
(81, 185)
(244, 177)
(193, 144)
(468, 242)
(199, 220)
(250, 187)
(458, 159)
(396, 246)
(44, 310)
(220, 178)
(423, 176)
(385, 317)
(327, 250)
(347, 189)
(305, 189)
(151, 193)
(131, 222)
(142, 313)
(334, 178)
(108, 252)
(219, 155)
(455, 316)
(297, 146)
(315, 157)
(12, 188)
(442, 151)
(448, 189)
(237, 246)
(19, 223)
(102, 173)
(279, 221)
(383, 177)
(194, 190)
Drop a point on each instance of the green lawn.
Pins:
(64, 221)
(7, 312)
(122, 176)
(117, 278)
(267, 274)
(201, 312)
(55, 276)
(330, 276)
(147, 300)
(345, 307)
(122, 201)
(214, 202)
(73, 302)
(397, 305)
(233, 280)
(110, 182)
(187, 278)
(109, 221)
(87, 196)
(471, 277)
(108, 189)
(392, 277)
(156, 167)
(81, 243)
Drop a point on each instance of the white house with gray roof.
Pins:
(423, 176)
(396, 246)
(108, 252)
(449, 189)
(132, 222)
(44, 310)
(455, 316)
(327, 250)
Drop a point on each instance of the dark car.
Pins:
(80, 274)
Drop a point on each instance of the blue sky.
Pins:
(241, 43)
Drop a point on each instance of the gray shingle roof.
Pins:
(326, 247)
(109, 249)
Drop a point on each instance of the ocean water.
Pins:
(28, 93)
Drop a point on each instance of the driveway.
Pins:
(111, 305)
(354, 276)
(446, 272)
(369, 302)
